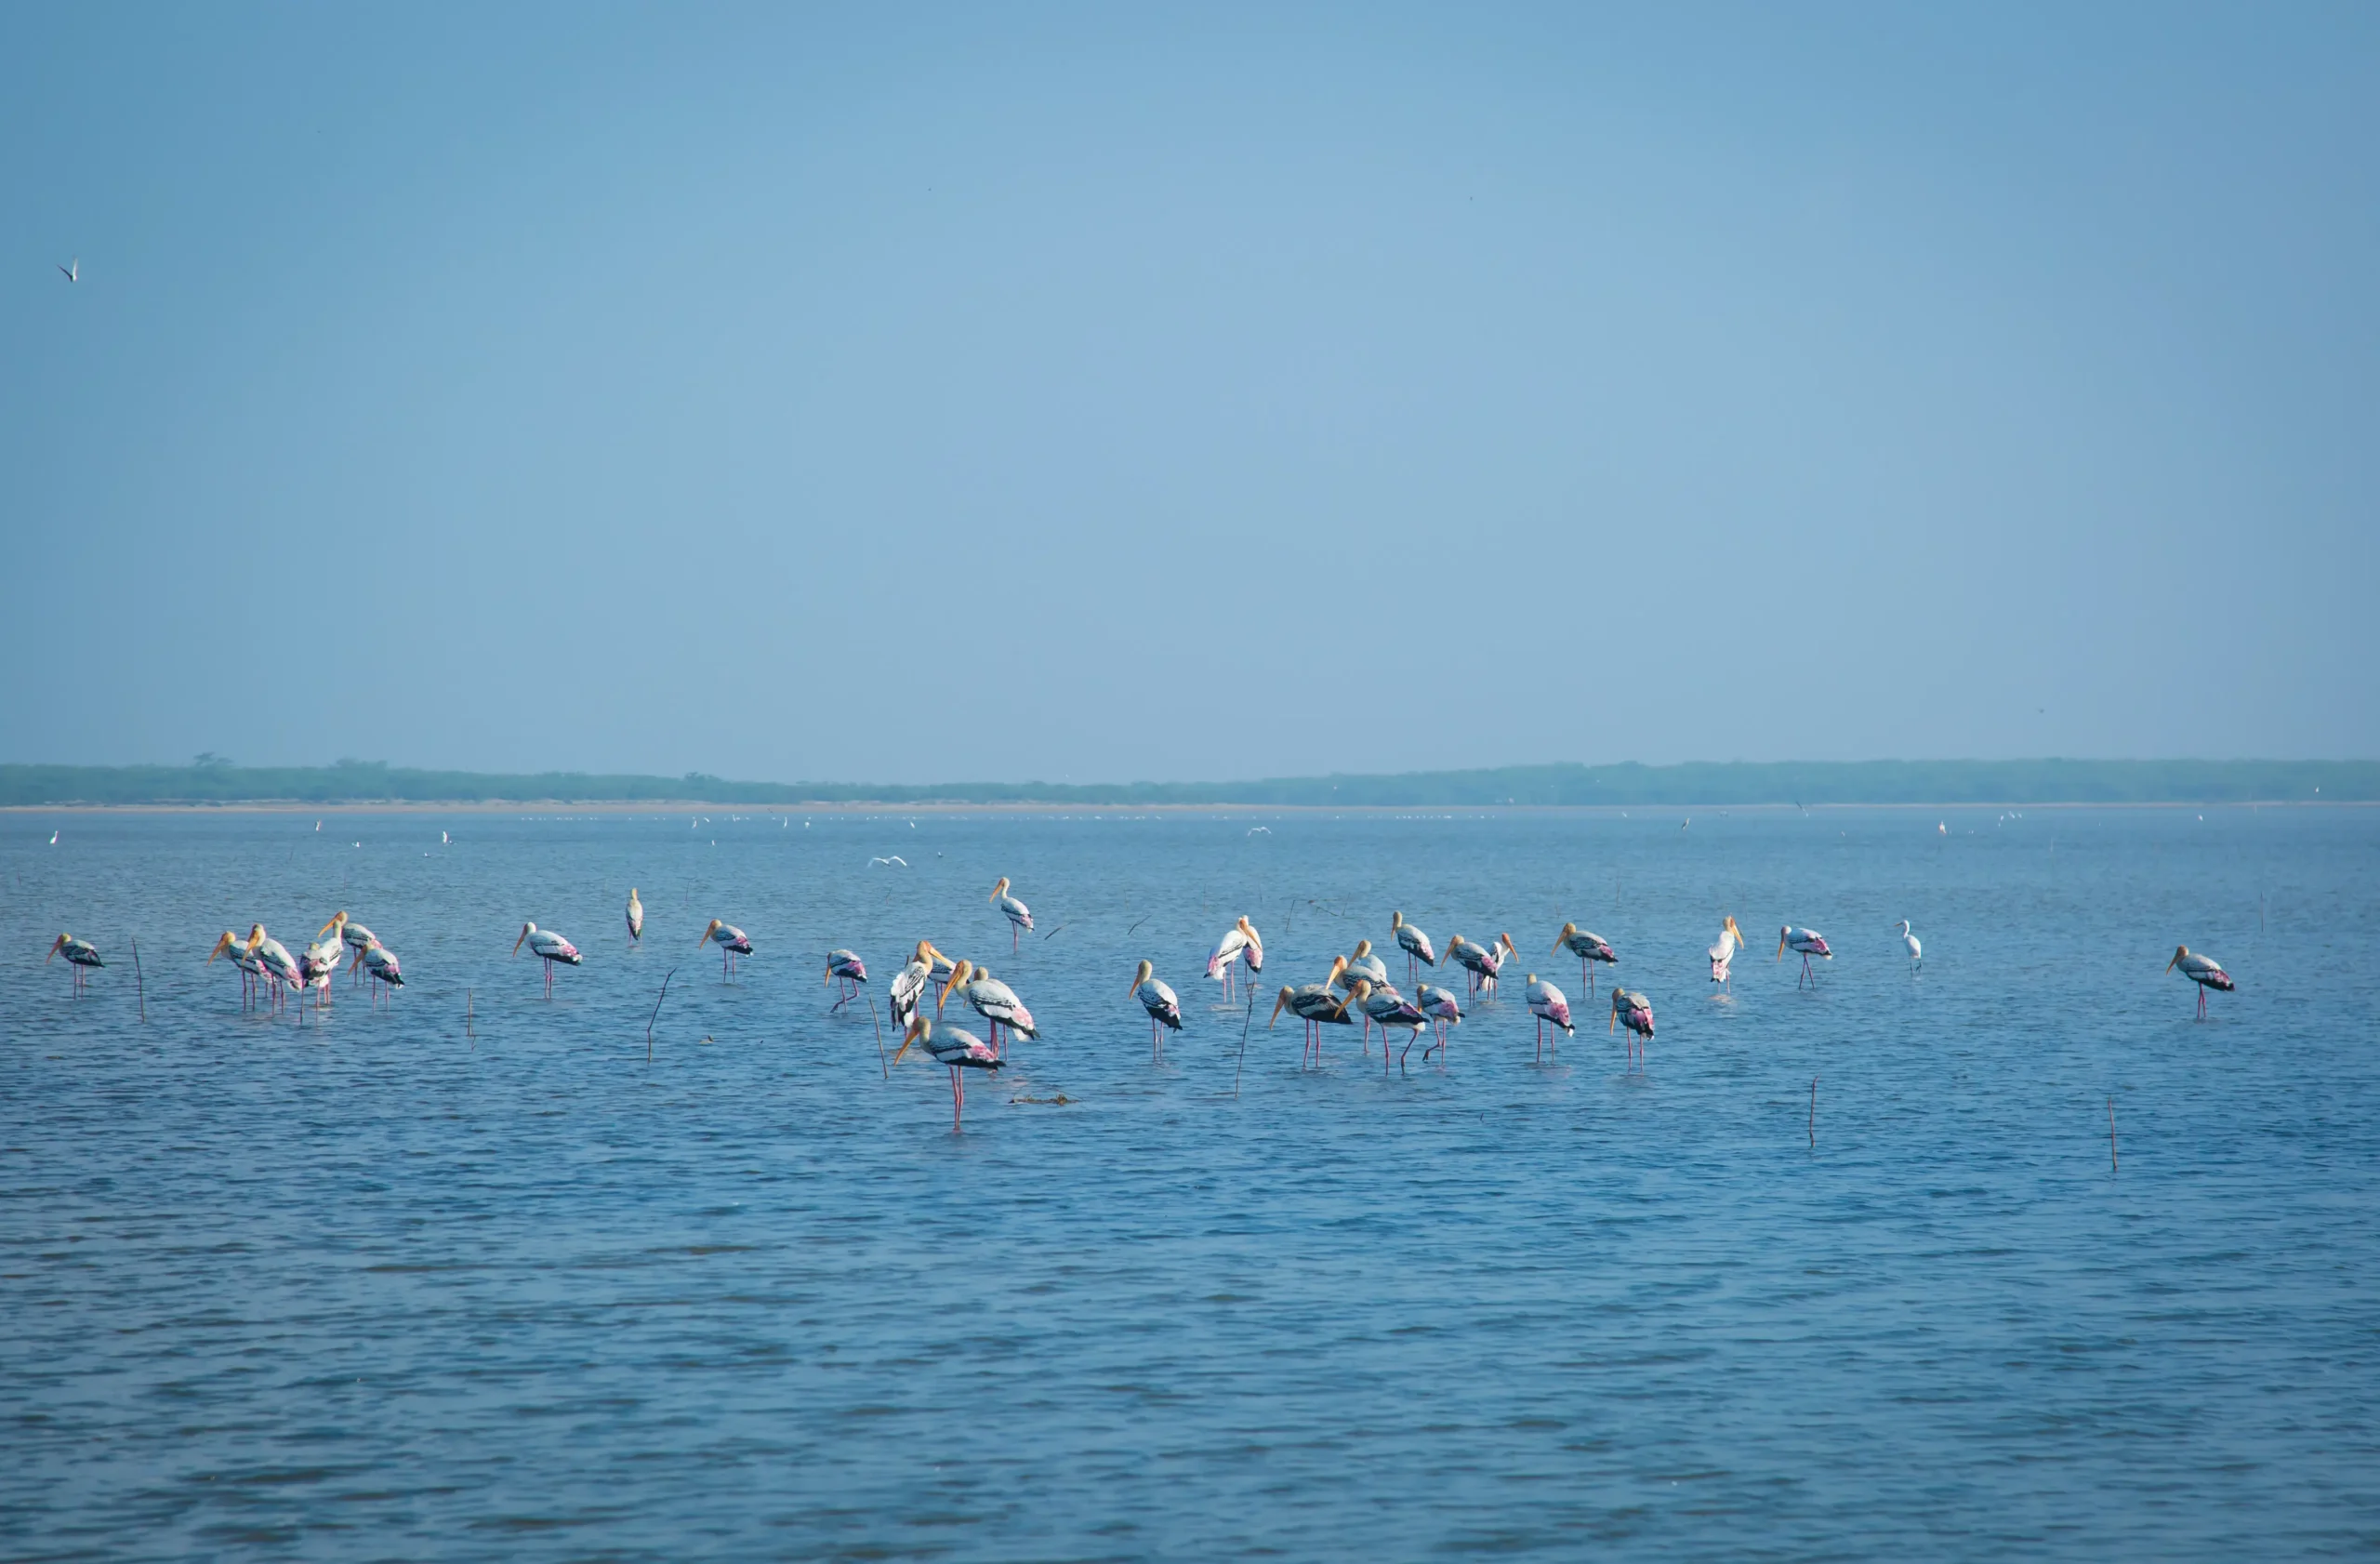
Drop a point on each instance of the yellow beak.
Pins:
(1780, 947)
(516, 944)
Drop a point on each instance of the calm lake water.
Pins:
(371, 1288)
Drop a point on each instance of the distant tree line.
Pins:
(212, 779)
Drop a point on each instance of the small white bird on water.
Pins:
(1909, 942)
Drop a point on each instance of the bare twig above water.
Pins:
(656, 1012)
(139, 987)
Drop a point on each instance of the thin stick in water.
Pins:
(1243, 1042)
(656, 1012)
(137, 986)
(466, 1018)
(879, 1039)
(1814, 1113)
(2113, 1166)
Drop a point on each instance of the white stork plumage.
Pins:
(2204, 971)
(1413, 941)
(1805, 943)
(1241, 943)
(1731, 940)
(992, 1000)
(1908, 942)
(1445, 1013)
(636, 917)
(730, 942)
(1314, 1004)
(952, 1047)
(81, 955)
(1549, 1004)
(908, 985)
(549, 948)
(251, 970)
(1588, 948)
(1384, 1007)
(280, 968)
(1165, 1011)
(1019, 916)
(845, 968)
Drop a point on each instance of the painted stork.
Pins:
(1445, 1013)
(1414, 943)
(280, 968)
(1635, 1012)
(1731, 940)
(2204, 971)
(354, 935)
(848, 972)
(1241, 943)
(909, 984)
(1318, 1007)
(1587, 947)
(1384, 1007)
(1805, 942)
(958, 1050)
(1019, 916)
(251, 970)
(1548, 1004)
(730, 942)
(314, 968)
(1165, 1011)
(549, 948)
(81, 956)
(1482, 961)
(1364, 964)
(379, 963)
(1908, 942)
(994, 1001)
(636, 918)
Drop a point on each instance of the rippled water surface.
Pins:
(374, 1289)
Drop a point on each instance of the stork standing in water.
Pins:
(1414, 943)
(732, 944)
(1482, 961)
(957, 1049)
(1587, 947)
(2204, 971)
(251, 970)
(1165, 1011)
(1364, 964)
(81, 955)
(1909, 942)
(1019, 916)
(280, 968)
(994, 1001)
(1384, 1007)
(1548, 1003)
(354, 935)
(1805, 942)
(1635, 1012)
(314, 968)
(636, 918)
(549, 948)
(845, 968)
(908, 985)
(1241, 943)
(1316, 1005)
(1731, 939)
(1439, 1005)
(379, 963)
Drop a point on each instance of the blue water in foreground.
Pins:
(373, 1290)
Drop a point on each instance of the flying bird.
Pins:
(74, 272)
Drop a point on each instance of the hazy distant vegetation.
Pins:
(212, 779)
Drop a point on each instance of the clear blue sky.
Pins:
(1107, 393)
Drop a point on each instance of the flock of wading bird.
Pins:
(1355, 989)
